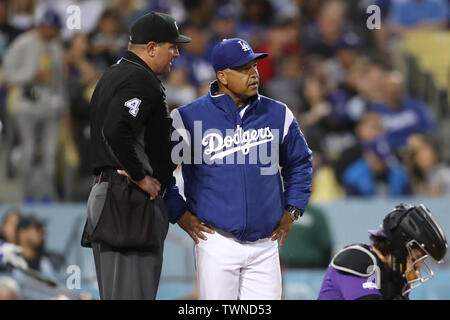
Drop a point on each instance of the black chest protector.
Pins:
(359, 260)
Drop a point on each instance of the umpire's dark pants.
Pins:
(126, 273)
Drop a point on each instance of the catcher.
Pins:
(395, 262)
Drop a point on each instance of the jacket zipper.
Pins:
(244, 179)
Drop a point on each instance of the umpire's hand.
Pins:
(194, 226)
(283, 228)
(148, 184)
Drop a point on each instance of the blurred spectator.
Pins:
(79, 62)
(347, 53)
(257, 16)
(90, 13)
(331, 116)
(127, 10)
(401, 115)
(9, 289)
(31, 238)
(322, 35)
(310, 9)
(286, 8)
(7, 31)
(282, 39)
(22, 14)
(194, 58)
(377, 172)
(174, 8)
(33, 67)
(223, 26)
(347, 104)
(309, 244)
(430, 176)
(179, 91)
(319, 68)
(82, 78)
(315, 109)
(9, 225)
(199, 12)
(287, 85)
(371, 86)
(384, 5)
(109, 40)
(407, 15)
(7, 35)
(368, 129)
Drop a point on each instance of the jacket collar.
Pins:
(131, 57)
(225, 102)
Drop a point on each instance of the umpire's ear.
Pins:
(222, 77)
(152, 47)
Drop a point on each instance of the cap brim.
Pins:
(248, 58)
(182, 39)
(377, 233)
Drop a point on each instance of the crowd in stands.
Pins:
(345, 83)
(43, 273)
(29, 233)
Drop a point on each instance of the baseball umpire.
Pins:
(395, 262)
(127, 219)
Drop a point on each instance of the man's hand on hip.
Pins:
(194, 226)
(148, 184)
(283, 228)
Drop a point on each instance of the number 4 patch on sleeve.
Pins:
(133, 105)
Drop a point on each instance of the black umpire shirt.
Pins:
(130, 121)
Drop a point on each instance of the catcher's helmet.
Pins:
(411, 229)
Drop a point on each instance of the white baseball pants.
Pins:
(229, 269)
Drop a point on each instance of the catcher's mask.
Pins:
(414, 235)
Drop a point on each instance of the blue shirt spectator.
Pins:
(412, 116)
(410, 13)
(401, 115)
(194, 58)
(384, 6)
(322, 36)
(376, 172)
(347, 107)
(223, 26)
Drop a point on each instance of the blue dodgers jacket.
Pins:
(231, 160)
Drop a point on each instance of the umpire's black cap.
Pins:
(158, 27)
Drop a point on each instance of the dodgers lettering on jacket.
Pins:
(240, 166)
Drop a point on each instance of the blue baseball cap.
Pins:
(349, 40)
(232, 53)
(49, 18)
(380, 147)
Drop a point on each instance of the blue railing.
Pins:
(348, 220)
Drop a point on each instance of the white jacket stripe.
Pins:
(178, 125)
(288, 118)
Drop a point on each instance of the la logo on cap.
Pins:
(244, 46)
(176, 26)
